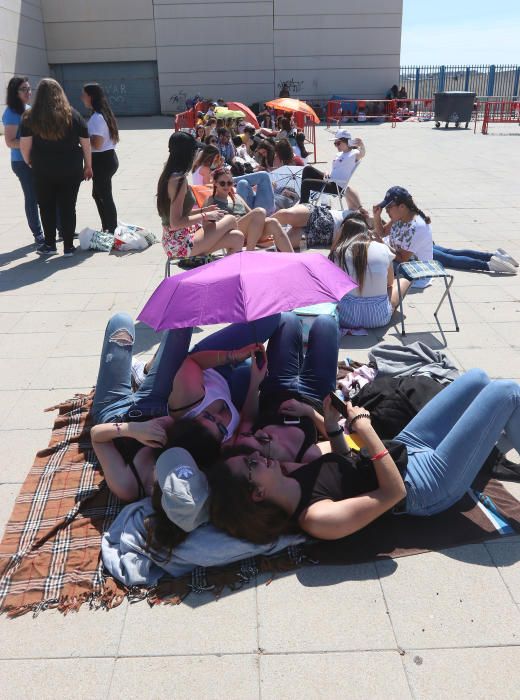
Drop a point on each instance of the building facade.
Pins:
(153, 55)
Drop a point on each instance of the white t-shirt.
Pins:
(339, 216)
(379, 259)
(414, 236)
(197, 178)
(343, 166)
(97, 126)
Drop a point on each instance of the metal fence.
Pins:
(422, 82)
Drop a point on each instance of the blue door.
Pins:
(132, 86)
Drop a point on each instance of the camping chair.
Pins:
(341, 193)
(417, 270)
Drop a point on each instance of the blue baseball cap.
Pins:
(395, 195)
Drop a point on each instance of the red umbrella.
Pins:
(249, 114)
(289, 104)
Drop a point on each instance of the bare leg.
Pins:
(394, 296)
(353, 200)
(216, 235)
(281, 239)
(296, 216)
(252, 226)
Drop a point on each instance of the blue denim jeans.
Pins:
(451, 437)
(114, 399)
(456, 259)
(264, 196)
(24, 173)
(314, 375)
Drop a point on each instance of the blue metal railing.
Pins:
(422, 82)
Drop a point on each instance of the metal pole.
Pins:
(466, 80)
(442, 78)
(515, 84)
(491, 81)
(417, 79)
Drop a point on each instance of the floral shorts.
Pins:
(320, 226)
(178, 243)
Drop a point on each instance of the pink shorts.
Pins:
(178, 244)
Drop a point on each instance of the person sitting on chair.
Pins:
(350, 153)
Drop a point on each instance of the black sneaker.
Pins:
(39, 240)
(46, 250)
(68, 252)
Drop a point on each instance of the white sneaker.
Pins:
(501, 253)
(497, 264)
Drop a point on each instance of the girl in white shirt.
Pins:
(206, 162)
(369, 264)
(104, 135)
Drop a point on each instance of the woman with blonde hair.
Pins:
(55, 144)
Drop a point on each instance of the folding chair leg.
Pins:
(447, 294)
(167, 270)
(400, 304)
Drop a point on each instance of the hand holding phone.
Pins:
(338, 404)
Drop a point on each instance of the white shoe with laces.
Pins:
(501, 253)
(497, 264)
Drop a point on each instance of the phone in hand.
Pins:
(338, 403)
(291, 420)
(259, 359)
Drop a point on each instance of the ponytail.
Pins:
(415, 209)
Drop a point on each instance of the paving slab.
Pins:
(464, 674)
(378, 675)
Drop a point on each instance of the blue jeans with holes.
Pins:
(314, 375)
(114, 399)
(24, 173)
(450, 438)
(264, 196)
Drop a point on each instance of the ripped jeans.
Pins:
(114, 399)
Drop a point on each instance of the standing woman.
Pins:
(54, 143)
(104, 135)
(17, 101)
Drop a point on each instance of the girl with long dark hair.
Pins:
(54, 142)
(188, 231)
(369, 263)
(17, 100)
(104, 135)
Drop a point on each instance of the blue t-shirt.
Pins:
(12, 118)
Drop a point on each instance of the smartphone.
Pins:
(291, 420)
(338, 404)
(259, 359)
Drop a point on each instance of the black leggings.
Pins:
(312, 179)
(58, 195)
(104, 167)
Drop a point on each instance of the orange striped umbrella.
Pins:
(289, 104)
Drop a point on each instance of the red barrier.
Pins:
(501, 113)
(185, 120)
(361, 110)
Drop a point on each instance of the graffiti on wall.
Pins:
(116, 92)
(293, 86)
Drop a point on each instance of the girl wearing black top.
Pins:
(54, 142)
(104, 135)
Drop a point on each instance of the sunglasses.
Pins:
(225, 183)
(221, 427)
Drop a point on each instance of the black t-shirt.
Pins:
(61, 157)
(334, 477)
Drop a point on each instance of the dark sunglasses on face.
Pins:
(221, 427)
(225, 183)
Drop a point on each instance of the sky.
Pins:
(460, 32)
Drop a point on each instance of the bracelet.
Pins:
(334, 433)
(359, 415)
(118, 428)
(379, 455)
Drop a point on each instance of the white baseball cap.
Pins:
(342, 134)
(185, 489)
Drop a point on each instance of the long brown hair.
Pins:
(50, 116)
(233, 509)
(101, 105)
(355, 237)
(206, 156)
(182, 148)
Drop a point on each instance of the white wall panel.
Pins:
(94, 10)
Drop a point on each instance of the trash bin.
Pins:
(455, 106)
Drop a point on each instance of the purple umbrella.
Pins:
(244, 287)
